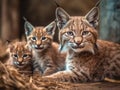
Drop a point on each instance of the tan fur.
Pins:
(50, 60)
(88, 58)
(20, 57)
(47, 59)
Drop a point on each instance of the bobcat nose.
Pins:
(78, 40)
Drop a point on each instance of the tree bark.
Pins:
(10, 19)
(110, 20)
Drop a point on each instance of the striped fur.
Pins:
(47, 59)
(20, 57)
(88, 58)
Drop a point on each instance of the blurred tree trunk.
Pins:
(10, 19)
(110, 20)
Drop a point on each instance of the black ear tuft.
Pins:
(51, 28)
(62, 17)
(93, 17)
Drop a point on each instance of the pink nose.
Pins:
(38, 45)
(78, 43)
(78, 40)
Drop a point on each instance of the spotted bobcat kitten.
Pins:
(20, 57)
(88, 58)
(46, 57)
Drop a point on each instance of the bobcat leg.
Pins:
(65, 76)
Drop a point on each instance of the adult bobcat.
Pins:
(47, 59)
(20, 57)
(88, 58)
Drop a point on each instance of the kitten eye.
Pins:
(33, 38)
(25, 55)
(43, 38)
(70, 33)
(15, 55)
(85, 32)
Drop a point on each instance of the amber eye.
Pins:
(25, 55)
(85, 32)
(70, 33)
(15, 55)
(33, 38)
(43, 38)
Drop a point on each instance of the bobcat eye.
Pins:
(25, 55)
(85, 32)
(33, 38)
(15, 55)
(70, 33)
(43, 38)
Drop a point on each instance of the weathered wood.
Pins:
(10, 19)
(110, 20)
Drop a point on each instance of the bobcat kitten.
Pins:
(88, 58)
(47, 59)
(20, 57)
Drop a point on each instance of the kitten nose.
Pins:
(78, 43)
(20, 60)
(38, 42)
(38, 45)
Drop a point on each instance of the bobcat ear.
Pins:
(51, 28)
(28, 28)
(62, 17)
(93, 17)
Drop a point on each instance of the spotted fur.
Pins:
(47, 59)
(88, 58)
(20, 57)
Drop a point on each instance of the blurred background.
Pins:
(42, 12)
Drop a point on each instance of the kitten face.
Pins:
(76, 32)
(40, 38)
(20, 54)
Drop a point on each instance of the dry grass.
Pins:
(10, 79)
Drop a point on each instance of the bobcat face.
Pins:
(77, 33)
(20, 54)
(39, 38)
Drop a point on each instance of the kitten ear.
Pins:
(51, 28)
(27, 47)
(62, 17)
(28, 28)
(10, 47)
(92, 17)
